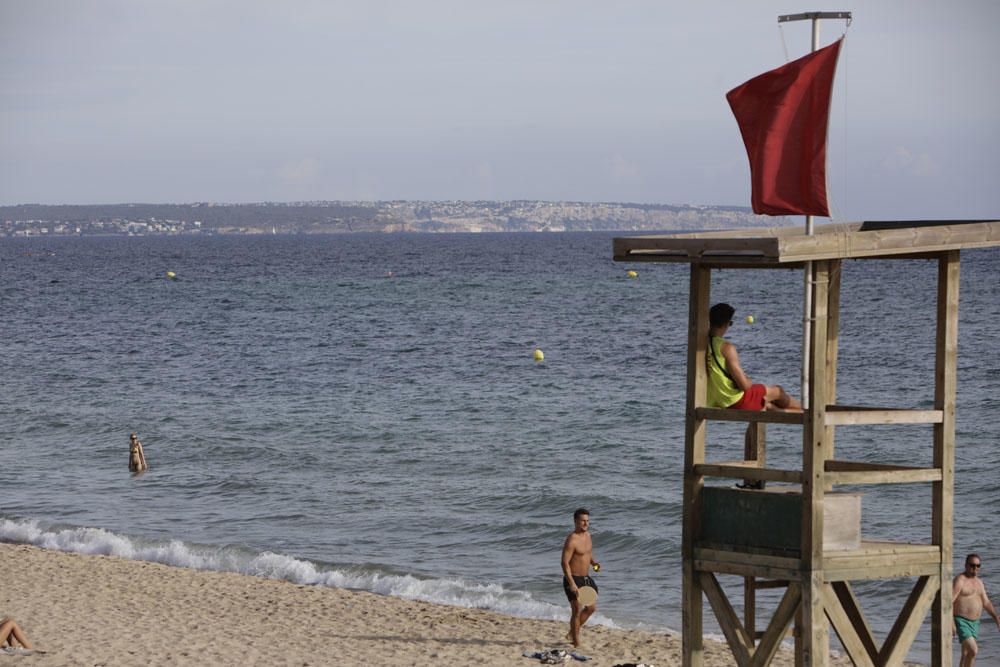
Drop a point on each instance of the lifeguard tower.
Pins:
(807, 540)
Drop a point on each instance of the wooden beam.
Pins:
(754, 454)
(943, 492)
(694, 454)
(857, 472)
(746, 564)
(755, 448)
(728, 415)
(763, 559)
(842, 465)
(830, 242)
(842, 415)
(741, 470)
(888, 571)
(744, 569)
(814, 636)
(849, 603)
(881, 560)
(900, 638)
(857, 649)
(883, 548)
(750, 607)
(740, 643)
(783, 615)
(851, 559)
(832, 337)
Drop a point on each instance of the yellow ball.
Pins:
(749, 319)
(539, 356)
(171, 274)
(631, 274)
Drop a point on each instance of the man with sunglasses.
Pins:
(728, 385)
(968, 599)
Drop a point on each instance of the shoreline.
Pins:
(88, 609)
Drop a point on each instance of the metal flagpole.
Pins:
(807, 291)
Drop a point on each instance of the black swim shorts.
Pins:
(579, 581)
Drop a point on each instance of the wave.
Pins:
(270, 565)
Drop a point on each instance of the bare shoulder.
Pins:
(577, 541)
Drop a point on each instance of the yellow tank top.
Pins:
(722, 391)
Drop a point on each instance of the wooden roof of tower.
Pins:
(789, 246)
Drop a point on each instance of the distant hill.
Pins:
(381, 216)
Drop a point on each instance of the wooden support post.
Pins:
(832, 335)
(852, 610)
(754, 449)
(860, 648)
(694, 454)
(750, 607)
(942, 494)
(911, 617)
(814, 636)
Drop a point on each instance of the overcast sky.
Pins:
(246, 101)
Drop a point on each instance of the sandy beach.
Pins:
(98, 610)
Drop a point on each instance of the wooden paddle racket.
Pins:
(586, 596)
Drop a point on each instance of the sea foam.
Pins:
(458, 592)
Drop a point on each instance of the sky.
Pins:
(563, 100)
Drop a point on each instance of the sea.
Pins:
(365, 411)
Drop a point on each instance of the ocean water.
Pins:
(364, 411)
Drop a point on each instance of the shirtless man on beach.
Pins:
(577, 557)
(968, 599)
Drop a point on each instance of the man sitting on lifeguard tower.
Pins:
(728, 385)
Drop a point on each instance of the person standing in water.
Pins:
(577, 557)
(136, 457)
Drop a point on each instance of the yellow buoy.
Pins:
(539, 355)
(631, 274)
(749, 319)
(171, 274)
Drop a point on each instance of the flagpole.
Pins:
(807, 282)
(807, 290)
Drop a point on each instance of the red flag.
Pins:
(783, 115)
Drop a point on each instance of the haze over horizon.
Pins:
(108, 101)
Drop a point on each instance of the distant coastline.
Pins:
(335, 217)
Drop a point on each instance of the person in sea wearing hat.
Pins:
(136, 457)
(728, 385)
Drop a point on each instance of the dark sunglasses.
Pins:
(975, 564)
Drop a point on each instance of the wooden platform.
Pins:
(871, 560)
(789, 246)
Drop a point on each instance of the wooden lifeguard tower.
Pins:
(723, 526)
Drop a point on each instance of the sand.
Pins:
(99, 610)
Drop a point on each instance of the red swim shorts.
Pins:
(753, 398)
